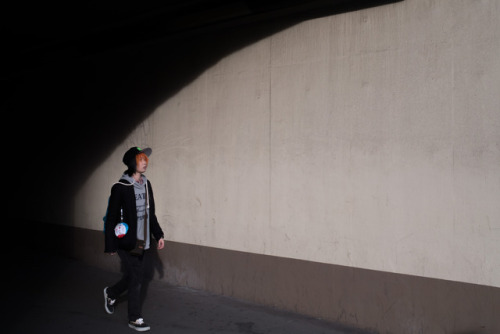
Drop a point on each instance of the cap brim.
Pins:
(147, 151)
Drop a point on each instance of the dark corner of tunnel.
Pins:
(67, 107)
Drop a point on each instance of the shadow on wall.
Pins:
(66, 116)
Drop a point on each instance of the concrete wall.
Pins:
(367, 140)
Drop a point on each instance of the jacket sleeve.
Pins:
(155, 226)
(112, 218)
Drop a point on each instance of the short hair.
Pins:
(140, 157)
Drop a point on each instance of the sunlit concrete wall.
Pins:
(369, 139)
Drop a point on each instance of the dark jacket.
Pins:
(123, 196)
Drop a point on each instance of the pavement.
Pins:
(47, 293)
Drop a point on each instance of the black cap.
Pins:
(129, 156)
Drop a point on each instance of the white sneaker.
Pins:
(139, 325)
(109, 304)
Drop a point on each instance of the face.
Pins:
(142, 163)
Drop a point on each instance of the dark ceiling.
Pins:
(41, 31)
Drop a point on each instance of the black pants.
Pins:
(132, 280)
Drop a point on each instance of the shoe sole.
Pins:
(139, 329)
(108, 311)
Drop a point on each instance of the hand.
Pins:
(111, 253)
(161, 243)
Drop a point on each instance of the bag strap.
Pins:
(125, 183)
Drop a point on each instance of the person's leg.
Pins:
(122, 285)
(112, 293)
(132, 281)
(137, 267)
